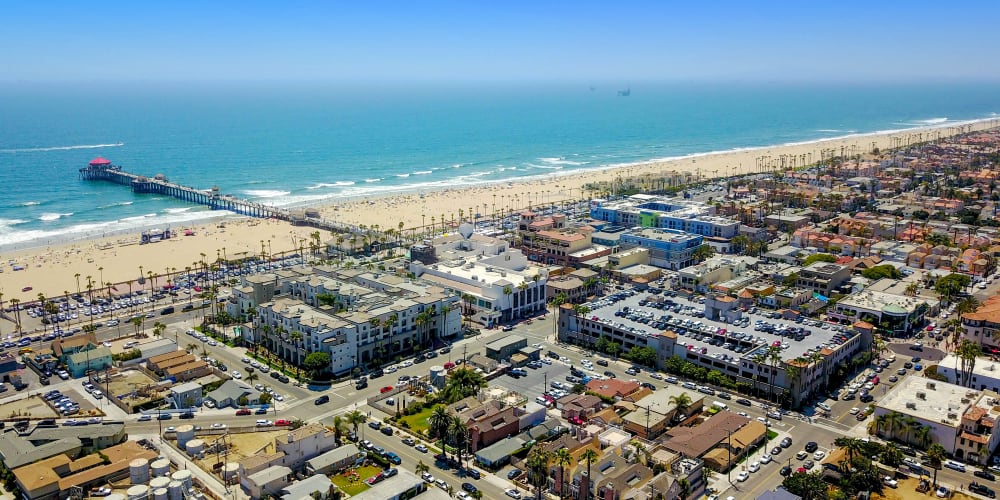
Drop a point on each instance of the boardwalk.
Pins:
(101, 169)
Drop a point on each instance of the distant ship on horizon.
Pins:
(625, 93)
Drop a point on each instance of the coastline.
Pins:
(51, 268)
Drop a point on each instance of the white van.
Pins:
(720, 405)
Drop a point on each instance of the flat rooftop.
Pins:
(816, 340)
(929, 400)
(874, 300)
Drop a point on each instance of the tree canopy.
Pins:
(317, 362)
(819, 257)
(951, 285)
(883, 271)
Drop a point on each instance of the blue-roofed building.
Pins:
(666, 213)
(668, 248)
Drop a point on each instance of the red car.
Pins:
(386, 389)
(243, 411)
(282, 421)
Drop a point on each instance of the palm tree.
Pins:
(356, 418)
(967, 353)
(563, 458)
(589, 456)
(191, 347)
(439, 421)
(459, 436)
(851, 445)
(538, 469)
(935, 456)
(681, 403)
(296, 338)
(685, 487)
(465, 381)
(422, 467)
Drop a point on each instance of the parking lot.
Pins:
(536, 381)
(650, 313)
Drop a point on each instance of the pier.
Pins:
(101, 169)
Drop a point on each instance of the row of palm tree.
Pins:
(897, 425)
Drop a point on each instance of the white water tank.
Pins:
(194, 447)
(438, 375)
(138, 471)
(160, 494)
(161, 467)
(138, 492)
(175, 490)
(184, 476)
(229, 471)
(184, 434)
(159, 482)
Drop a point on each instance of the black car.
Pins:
(867, 398)
(609, 374)
(744, 402)
(602, 362)
(360, 385)
(444, 350)
(322, 399)
(386, 430)
(473, 473)
(982, 489)
(419, 358)
(648, 386)
(377, 373)
(471, 488)
(984, 475)
(811, 446)
(514, 473)
(164, 416)
(786, 470)
(187, 415)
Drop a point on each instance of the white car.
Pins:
(754, 467)
(536, 346)
(279, 397)
(823, 406)
(237, 375)
(461, 495)
(106, 343)
(212, 343)
(890, 482)
(743, 476)
(408, 363)
(218, 426)
(564, 359)
(391, 369)
(511, 492)
(656, 376)
(547, 361)
(421, 448)
(766, 459)
(426, 476)
(819, 455)
(854, 411)
(145, 418)
(264, 423)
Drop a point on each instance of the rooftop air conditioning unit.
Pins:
(911, 406)
(922, 395)
(931, 386)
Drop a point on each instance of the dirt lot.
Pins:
(123, 384)
(33, 406)
(908, 491)
(244, 445)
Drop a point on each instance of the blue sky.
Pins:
(499, 41)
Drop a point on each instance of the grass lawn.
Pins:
(352, 488)
(418, 421)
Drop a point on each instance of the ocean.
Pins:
(302, 144)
